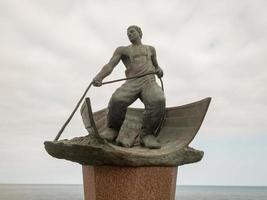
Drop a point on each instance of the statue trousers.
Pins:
(149, 92)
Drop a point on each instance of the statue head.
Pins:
(134, 33)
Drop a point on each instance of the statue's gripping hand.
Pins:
(159, 72)
(97, 82)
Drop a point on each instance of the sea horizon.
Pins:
(176, 184)
(44, 191)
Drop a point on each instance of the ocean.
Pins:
(75, 192)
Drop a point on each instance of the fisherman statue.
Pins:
(139, 59)
(160, 136)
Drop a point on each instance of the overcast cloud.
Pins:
(50, 51)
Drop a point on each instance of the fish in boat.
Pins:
(178, 129)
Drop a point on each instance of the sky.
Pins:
(51, 50)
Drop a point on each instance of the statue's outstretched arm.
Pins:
(108, 68)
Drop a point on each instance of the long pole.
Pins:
(73, 112)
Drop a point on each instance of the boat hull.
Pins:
(179, 129)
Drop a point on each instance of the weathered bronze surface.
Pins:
(158, 136)
(179, 129)
(138, 59)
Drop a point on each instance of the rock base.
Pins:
(129, 183)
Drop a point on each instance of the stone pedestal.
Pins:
(129, 183)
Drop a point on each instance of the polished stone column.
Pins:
(129, 183)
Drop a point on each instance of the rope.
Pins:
(85, 92)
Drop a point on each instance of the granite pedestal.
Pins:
(129, 183)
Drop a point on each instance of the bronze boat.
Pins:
(179, 128)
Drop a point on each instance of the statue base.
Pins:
(123, 183)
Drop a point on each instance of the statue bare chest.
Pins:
(133, 56)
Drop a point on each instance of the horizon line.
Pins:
(204, 185)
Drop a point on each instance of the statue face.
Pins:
(133, 34)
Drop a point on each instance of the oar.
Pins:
(87, 89)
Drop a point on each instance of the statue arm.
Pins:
(154, 57)
(108, 68)
(159, 71)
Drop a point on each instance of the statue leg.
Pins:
(154, 101)
(120, 100)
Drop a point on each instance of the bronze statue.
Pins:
(163, 133)
(138, 59)
(170, 147)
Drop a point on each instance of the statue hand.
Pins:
(159, 72)
(97, 82)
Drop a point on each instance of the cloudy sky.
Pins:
(50, 51)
